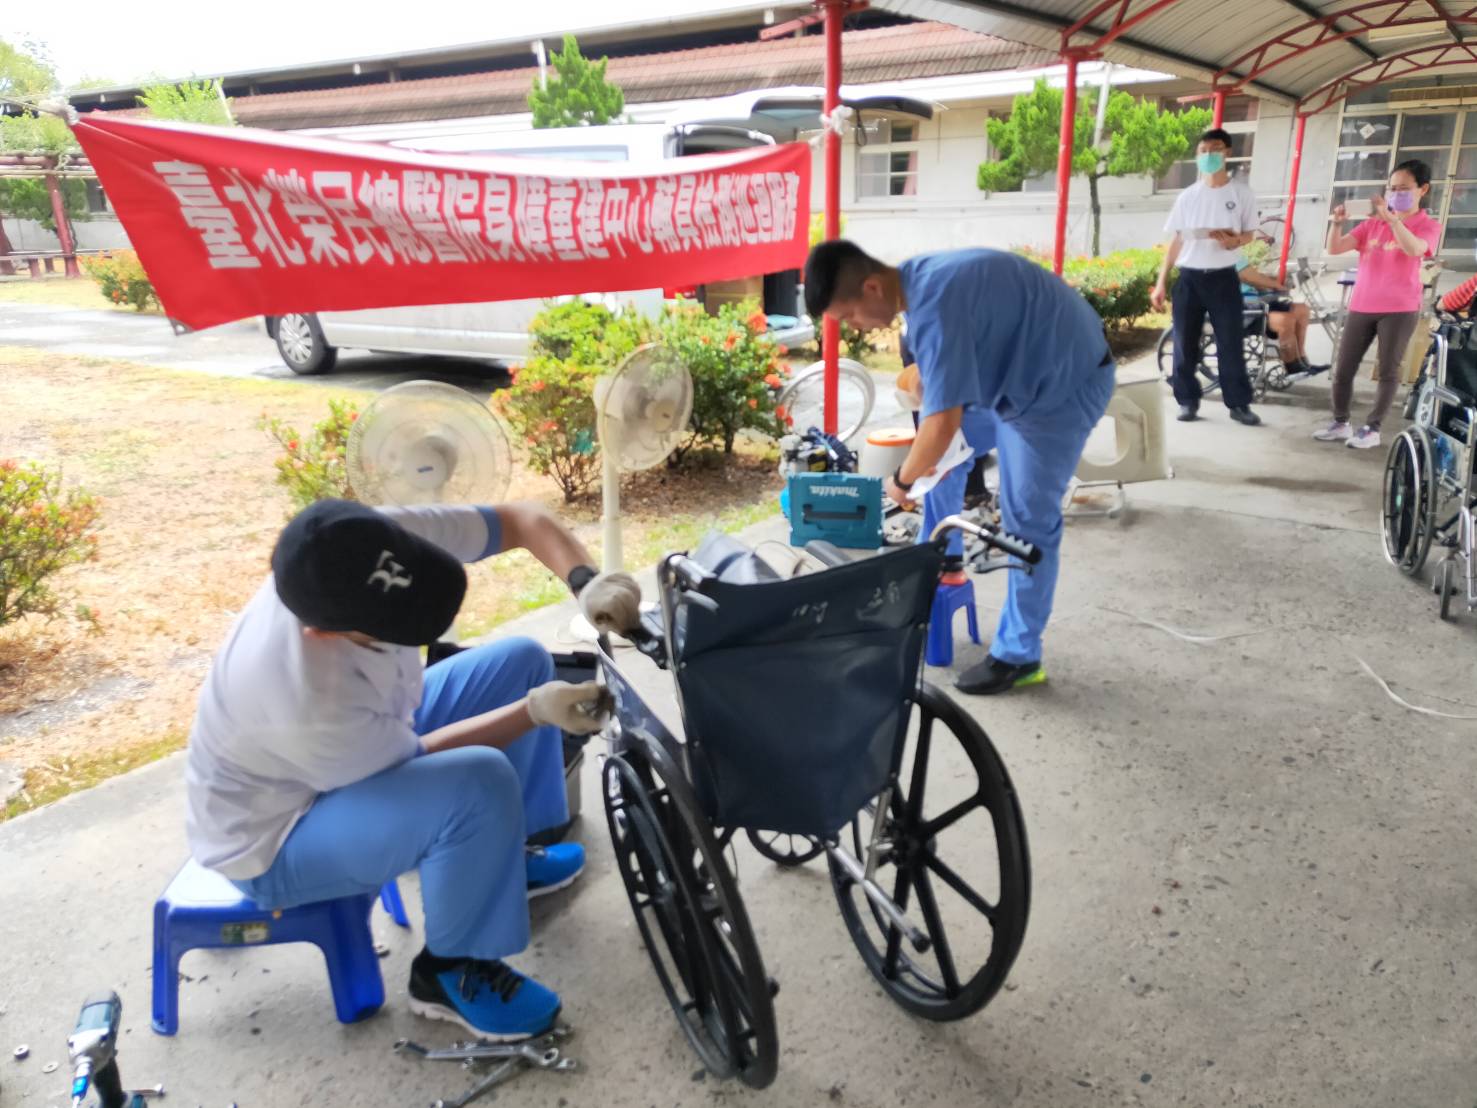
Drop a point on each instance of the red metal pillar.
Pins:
(1292, 195)
(835, 11)
(1218, 108)
(1064, 161)
(63, 228)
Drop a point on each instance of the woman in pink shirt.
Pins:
(1387, 295)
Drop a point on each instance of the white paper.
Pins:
(959, 452)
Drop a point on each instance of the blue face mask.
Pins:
(1210, 163)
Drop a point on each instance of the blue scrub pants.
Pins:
(1038, 453)
(460, 816)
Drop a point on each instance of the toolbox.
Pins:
(844, 509)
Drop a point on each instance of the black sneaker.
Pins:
(1189, 413)
(1246, 416)
(490, 999)
(994, 676)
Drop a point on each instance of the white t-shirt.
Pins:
(1232, 207)
(283, 717)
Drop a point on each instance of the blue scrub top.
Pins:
(995, 331)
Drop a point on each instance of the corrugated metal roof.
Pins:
(880, 54)
(1198, 38)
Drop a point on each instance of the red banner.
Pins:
(233, 222)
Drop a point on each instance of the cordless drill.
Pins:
(92, 1048)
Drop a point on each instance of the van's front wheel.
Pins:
(301, 343)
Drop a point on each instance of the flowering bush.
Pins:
(736, 369)
(551, 409)
(550, 404)
(312, 467)
(121, 278)
(1117, 285)
(43, 529)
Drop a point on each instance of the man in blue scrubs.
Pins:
(1015, 358)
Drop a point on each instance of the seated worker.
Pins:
(1287, 319)
(324, 761)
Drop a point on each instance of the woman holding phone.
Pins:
(1386, 302)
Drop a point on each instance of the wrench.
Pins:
(548, 1058)
(504, 1072)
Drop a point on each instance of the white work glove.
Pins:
(612, 602)
(579, 709)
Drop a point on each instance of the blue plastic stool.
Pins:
(201, 909)
(393, 905)
(946, 601)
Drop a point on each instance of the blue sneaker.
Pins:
(553, 867)
(492, 1000)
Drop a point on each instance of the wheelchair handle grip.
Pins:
(1008, 544)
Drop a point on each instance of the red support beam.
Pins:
(1292, 195)
(1218, 107)
(1391, 68)
(835, 11)
(789, 27)
(1064, 162)
(1122, 22)
(1329, 29)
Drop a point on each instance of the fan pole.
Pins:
(610, 508)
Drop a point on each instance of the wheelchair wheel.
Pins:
(784, 849)
(973, 894)
(1208, 366)
(1408, 503)
(690, 916)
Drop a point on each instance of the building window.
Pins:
(1239, 120)
(97, 199)
(888, 165)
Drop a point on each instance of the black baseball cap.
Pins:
(342, 566)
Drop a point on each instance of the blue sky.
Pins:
(181, 38)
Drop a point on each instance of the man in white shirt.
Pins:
(1211, 220)
(324, 761)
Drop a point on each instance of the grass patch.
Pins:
(50, 781)
(63, 292)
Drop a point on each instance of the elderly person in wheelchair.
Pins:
(323, 763)
(1287, 320)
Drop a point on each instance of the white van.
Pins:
(498, 331)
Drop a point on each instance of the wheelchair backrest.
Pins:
(795, 693)
(1458, 370)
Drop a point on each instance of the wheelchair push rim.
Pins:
(1208, 367)
(973, 940)
(684, 898)
(1408, 501)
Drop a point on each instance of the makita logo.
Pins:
(836, 490)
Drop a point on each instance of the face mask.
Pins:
(1210, 163)
(1400, 201)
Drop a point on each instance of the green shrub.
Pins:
(550, 404)
(43, 529)
(312, 467)
(1117, 285)
(121, 278)
(735, 368)
(550, 408)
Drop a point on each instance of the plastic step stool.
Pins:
(946, 601)
(201, 909)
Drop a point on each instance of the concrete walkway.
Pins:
(1253, 871)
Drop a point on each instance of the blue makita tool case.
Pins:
(842, 508)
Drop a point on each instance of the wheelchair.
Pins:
(1429, 490)
(1258, 349)
(806, 724)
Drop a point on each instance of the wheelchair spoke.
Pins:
(935, 924)
(932, 828)
(957, 883)
(894, 936)
(920, 768)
